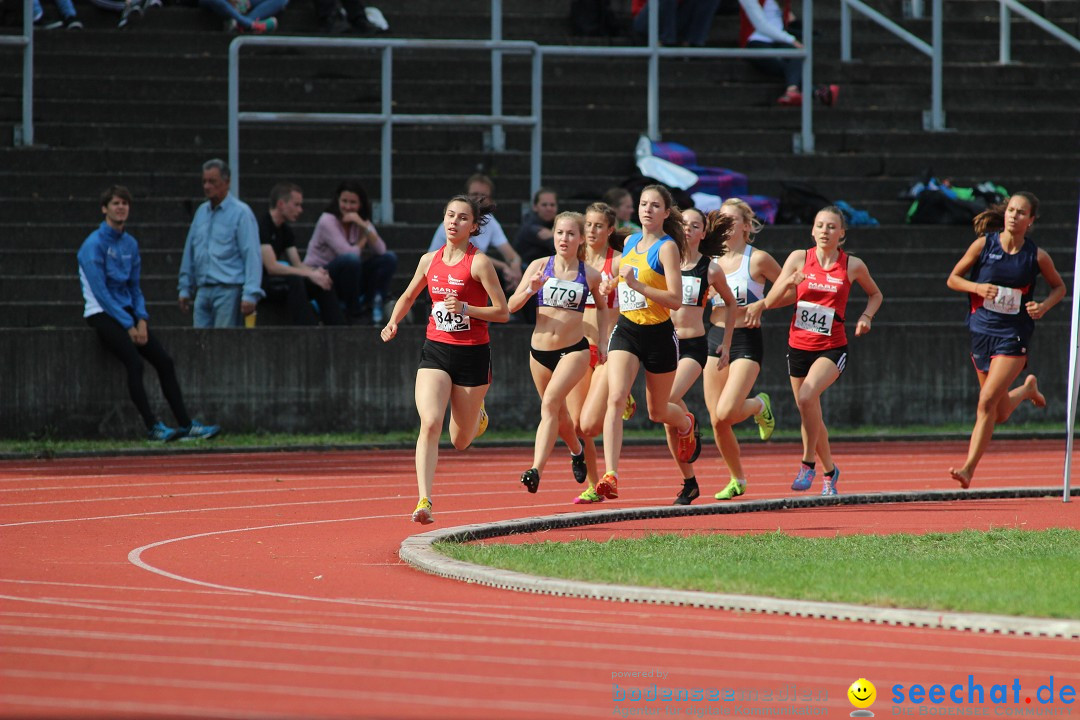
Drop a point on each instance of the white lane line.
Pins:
(299, 691)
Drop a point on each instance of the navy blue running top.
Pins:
(1015, 276)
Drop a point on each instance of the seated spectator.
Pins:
(346, 243)
(622, 202)
(285, 278)
(763, 24)
(682, 22)
(481, 188)
(534, 237)
(250, 16)
(69, 20)
(109, 267)
(130, 10)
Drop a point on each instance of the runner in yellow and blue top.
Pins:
(1004, 266)
(649, 287)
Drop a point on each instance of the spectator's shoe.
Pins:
(132, 11)
(198, 431)
(40, 23)
(73, 23)
(733, 490)
(153, 4)
(261, 27)
(334, 25)
(765, 419)
(577, 464)
(804, 479)
(631, 407)
(422, 513)
(827, 95)
(588, 498)
(378, 311)
(608, 486)
(828, 486)
(791, 98)
(690, 441)
(163, 433)
(531, 479)
(484, 420)
(689, 493)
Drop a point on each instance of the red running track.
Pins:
(268, 586)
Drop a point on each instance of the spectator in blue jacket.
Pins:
(109, 267)
(222, 263)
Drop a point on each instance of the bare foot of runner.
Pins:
(1031, 386)
(960, 476)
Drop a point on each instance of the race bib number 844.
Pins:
(814, 318)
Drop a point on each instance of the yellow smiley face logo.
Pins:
(862, 693)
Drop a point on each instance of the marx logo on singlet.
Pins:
(823, 287)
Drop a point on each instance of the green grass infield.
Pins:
(1003, 572)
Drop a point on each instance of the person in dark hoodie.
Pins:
(109, 267)
(535, 237)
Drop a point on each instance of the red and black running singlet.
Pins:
(443, 280)
(821, 302)
(605, 274)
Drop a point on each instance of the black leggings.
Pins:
(117, 341)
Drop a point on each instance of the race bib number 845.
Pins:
(447, 321)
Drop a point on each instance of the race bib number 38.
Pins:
(447, 321)
(630, 299)
(814, 318)
(1007, 301)
(562, 293)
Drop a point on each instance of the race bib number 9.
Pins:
(691, 289)
(630, 299)
(563, 293)
(814, 318)
(447, 321)
(1007, 301)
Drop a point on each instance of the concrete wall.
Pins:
(62, 382)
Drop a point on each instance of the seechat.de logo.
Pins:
(862, 695)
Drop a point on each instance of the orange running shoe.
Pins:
(608, 486)
(689, 442)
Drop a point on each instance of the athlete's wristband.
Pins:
(464, 308)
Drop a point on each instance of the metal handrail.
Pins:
(387, 118)
(1005, 49)
(935, 118)
(24, 133)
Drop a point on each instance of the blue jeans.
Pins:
(376, 272)
(260, 10)
(218, 306)
(66, 8)
(687, 22)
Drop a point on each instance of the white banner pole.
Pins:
(1074, 357)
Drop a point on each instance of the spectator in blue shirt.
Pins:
(222, 263)
(109, 267)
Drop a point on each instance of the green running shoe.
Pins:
(733, 490)
(588, 498)
(765, 419)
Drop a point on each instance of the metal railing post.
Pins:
(234, 114)
(537, 114)
(937, 112)
(28, 75)
(653, 96)
(498, 137)
(1005, 39)
(845, 31)
(806, 139)
(386, 209)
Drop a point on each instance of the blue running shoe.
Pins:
(804, 479)
(163, 433)
(198, 431)
(829, 486)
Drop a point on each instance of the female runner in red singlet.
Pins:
(455, 364)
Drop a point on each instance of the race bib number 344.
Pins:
(1007, 301)
(814, 318)
(447, 321)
